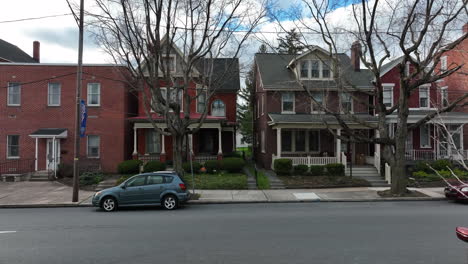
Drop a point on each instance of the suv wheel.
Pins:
(109, 204)
(170, 202)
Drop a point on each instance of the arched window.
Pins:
(218, 108)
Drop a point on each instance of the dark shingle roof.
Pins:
(275, 75)
(225, 77)
(318, 118)
(12, 53)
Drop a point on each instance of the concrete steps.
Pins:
(40, 176)
(368, 173)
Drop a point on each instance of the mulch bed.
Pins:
(387, 194)
(301, 182)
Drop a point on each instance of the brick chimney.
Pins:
(37, 51)
(465, 28)
(355, 52)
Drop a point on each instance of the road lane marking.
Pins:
(7, 232)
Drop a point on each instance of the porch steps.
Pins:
(39, 176)
(368, 173)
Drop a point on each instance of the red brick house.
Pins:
(37, 105)
(217, 134)
(288, 123)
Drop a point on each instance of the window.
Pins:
(218, 108)
(153, 141)
(424, 97)
(300, 139)
(325, 69)
(305, 69)
(388, 95)
(263, 141)
(171, 61)
(444, 96)
(425, 133)
(286, 141)
(314, 141)
(94, 94)
(443, 63)
(201, 101)
(175, 96)
(93, 146)
(287, 102)
(53, 98)
(314, 71)
(12, 146)
(319, 103)
(263, 104)
(154, 179)
(346, 102)
(14, 94)
(137, 181)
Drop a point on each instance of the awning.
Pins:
(50, 133)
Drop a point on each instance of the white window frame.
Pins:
(49, 103)
(263, 104)
(312, 104)
(428, 127)
(444, 95)
(341, 102)
(422, 87)
(443, 63)
(309, 70)
(199, 91)
(163, 58)
(262, 143)
(306, 141)
(89, 94)
(11, 85)
(163, 94)
(388, 86)
(158, 141)
(293, 101)
(212, 105)
(8, 148)
(99, 147)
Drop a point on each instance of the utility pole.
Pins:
(78, 105)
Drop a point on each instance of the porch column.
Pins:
(220, 149)
(278, 142)
(162, 156)
(54, 155)
(191, 146)
(35, 156)
(377, 146)
(135, 152)
(338, 145)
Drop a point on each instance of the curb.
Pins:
(43, 205)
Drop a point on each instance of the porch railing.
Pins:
(412, 154)
(18, 166)
(150, 157)
(309, 160)
(203, 158)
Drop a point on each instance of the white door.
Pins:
(52, 157)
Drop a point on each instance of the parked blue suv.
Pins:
(164, 188)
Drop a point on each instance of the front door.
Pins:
(52, 157)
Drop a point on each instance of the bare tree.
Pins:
(143, 35)
(419, 31)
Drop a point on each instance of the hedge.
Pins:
(154, 165)
(187, 168)
(129, 166)
(317, 170)
(301, 169)
(282, 166)
(89, 178)
(335, 169)
(232, 164)
(212, 165)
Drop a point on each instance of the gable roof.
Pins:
(275, 74)
(388, 66)
(12, 53)
(225, 76)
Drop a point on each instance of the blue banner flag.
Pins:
(84, 116)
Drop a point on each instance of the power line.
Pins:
(34, 18)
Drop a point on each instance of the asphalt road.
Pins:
(379, 232)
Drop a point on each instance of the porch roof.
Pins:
(160, 119)
(318, 119)
(447, 118)
(50, 133)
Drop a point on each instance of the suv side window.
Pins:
(155, 179)
(137, 181)
(168, 179)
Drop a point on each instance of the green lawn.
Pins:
(263, 182)
(222, 181)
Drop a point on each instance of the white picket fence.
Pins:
(308, 160)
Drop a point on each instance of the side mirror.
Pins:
(123, 186)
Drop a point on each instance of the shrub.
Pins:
(420, 174)
(282, 166)
(129, 166)
(122, 179)
(232, 164)
(212, 165)
(233, 154)
(301, 169)
(441, 164)
(424, 176)
(460, 173)
(154, 165)
(317, 170)
(196, 167)
(422, 166)
(65, 170)
(335, 169)
(89, 178)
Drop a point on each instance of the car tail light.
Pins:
(182, 186)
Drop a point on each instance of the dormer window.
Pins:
(315, 69)
(168, 61)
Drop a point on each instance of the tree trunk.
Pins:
(177, 155)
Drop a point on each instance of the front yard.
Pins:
(322, 182)
(221, 181)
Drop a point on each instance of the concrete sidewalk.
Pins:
(54, 194)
